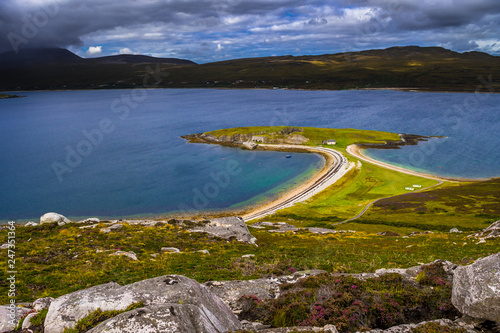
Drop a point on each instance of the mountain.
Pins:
(406, 68)
(37, 57)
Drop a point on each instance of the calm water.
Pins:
(118, 153)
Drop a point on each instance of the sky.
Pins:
(213, 30)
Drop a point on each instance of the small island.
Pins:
(7, 96)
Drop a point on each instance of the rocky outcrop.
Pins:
(414, 271)
(303, 329)
(408, 328)
(90, 220)
(42, 303)
(54, 218)
(170, 250)
(278, 226)
(296, 139)
(493, 231)
(130, 254)
(171, 303)
(476, 288)
(31, 224)
(113, 227)
(168, 318)
(227, 228)
(267, 288)
(10, 316)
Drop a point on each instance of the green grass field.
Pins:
(55, 260)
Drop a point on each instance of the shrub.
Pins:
(351, 304)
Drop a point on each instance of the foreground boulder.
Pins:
(231, 292)
(53, 218)
(476, 288)
(171, 303)
(432, 326)
(10, 316)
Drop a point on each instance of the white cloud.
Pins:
(94, 51)
(126, 50)
(219, 47)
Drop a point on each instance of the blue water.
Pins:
(118, 152)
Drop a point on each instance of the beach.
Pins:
(336, 167)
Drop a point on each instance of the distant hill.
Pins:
(37, 57)
(407, 68)
(137, 59)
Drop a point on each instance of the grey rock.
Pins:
(454, 230)
(204, 251)
(5, 246)
(170, 250)
(113, 227)
(262, 225)
(130, 254)
(266, 288)
(476, 288)
(168, 318)
(226, 227)
(493, 231)
(253, 326)
(53, 218)
(413, 272)
(90, 220)
(389, 234)
(408, 328)
(31, 224)
(322, 231)
(248, 256)
(284, 227)
(42, 303)
(157, 294)
(305, 329)
(280, 226)
(10, 316)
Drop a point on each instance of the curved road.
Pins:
(326, 178)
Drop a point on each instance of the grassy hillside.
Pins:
(54, 260)
(426, 69)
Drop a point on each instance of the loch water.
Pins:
(117, 153)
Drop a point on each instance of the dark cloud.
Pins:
(187, 28)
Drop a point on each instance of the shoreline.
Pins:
(356, 151)
(410, 90)
(336, 166)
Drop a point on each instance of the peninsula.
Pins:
(313, 140)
